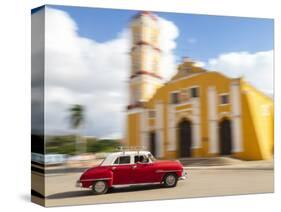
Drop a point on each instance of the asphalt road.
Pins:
(61, 190)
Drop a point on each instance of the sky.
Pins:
(200, 36)
(87, 59)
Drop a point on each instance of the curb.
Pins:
(227, 168)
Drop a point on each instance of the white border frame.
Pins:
(16, 199)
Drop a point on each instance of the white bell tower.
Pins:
(145, 77)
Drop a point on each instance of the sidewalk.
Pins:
(230, 164)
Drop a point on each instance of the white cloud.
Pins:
(199, 64)
(83, 71)
(257, 68)
(168, 33)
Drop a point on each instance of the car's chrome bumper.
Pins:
(184, 175)
(78, 184)
(182, 178)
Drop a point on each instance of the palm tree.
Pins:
(76, 121)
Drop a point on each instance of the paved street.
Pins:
(61, 190)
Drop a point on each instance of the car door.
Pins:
(122, 170)
(144, 172)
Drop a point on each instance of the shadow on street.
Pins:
(71, 194)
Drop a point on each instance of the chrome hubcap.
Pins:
(99, 186)
(170, 180)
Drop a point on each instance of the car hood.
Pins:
(93, 168)
(89, 172)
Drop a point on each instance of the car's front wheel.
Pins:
(170, 180)
(100, 187)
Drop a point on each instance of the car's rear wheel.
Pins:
(100, 187)
(170, 180)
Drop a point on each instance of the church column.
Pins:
(212, 120)
(159, 130)
(196, 135)
(236, 117)
(144, 129)
(171, 128)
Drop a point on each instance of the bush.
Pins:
(67, 145)
(104, 145)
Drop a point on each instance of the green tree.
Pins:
(77, 118)
(103, 145)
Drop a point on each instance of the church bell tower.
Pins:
(145, 77)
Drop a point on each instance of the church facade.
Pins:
(197, 113)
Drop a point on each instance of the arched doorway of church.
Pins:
(225, 137)
(152, 142)
(185, 138)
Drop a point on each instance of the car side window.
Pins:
(141, 159)
(122, 160)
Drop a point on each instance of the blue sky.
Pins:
(201, 36)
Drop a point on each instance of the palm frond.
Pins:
(76, 115)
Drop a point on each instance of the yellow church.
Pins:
(197, 113)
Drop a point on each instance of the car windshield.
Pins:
(102, 162)
(151, 157)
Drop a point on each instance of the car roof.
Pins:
(111, 157)
(128, 153)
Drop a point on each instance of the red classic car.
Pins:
(131, 168)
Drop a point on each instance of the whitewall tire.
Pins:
(100, 187)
